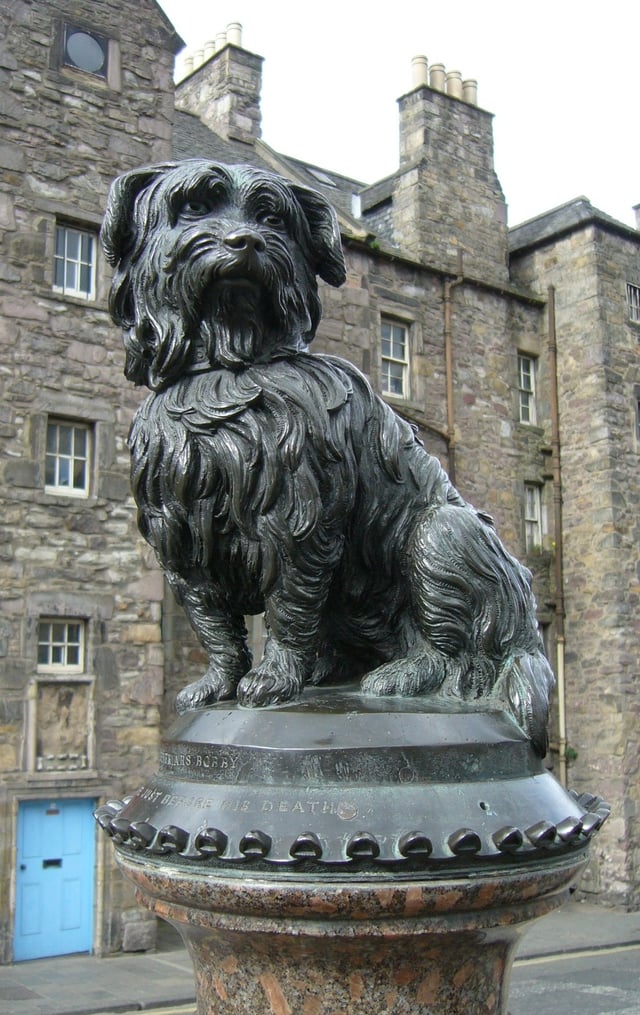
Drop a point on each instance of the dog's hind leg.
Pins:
(419, 673)
(223, 636)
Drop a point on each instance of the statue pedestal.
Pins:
(350, 854)
(293, 947)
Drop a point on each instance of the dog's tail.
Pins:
(525, 684)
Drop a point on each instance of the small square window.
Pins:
(533, 529)
(394, 368)
(74, 263)
(85, 50)
(67, 458)
(61, 645)
(527, 367)
(633, 302)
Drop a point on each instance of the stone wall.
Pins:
(65, 134)
(598, 377)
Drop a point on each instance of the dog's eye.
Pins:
(192, 209)
(271, 218)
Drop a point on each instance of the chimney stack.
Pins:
(223, 89)
(447, 194)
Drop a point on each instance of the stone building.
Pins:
(514, 352)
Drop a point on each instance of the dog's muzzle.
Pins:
(245, 246)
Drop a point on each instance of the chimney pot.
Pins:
(437, 77)
(454, 84)
(220, 41)
(470, 91)
(198, 58)
(187, 65)
(234, 33)
(209, 49)
(419, 71)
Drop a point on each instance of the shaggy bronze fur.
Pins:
(269, 479)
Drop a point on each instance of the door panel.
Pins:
(54, 878)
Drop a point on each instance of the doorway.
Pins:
(54, 878)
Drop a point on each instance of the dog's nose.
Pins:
(244, 239)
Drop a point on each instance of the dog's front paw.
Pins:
(214, 686)
(280, 677)
(406, 677)
(266, 686)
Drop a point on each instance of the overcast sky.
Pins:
(560, 77)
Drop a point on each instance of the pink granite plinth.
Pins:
(379, 944)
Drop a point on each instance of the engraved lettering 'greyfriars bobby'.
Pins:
(270, 479)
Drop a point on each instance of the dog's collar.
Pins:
(204, 367)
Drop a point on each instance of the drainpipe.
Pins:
(447, 288)
(557, 516)
(100, 888)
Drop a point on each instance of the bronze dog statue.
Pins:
(270, 479)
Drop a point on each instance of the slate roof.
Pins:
(192, 139)
(336, 188)
(561, 221)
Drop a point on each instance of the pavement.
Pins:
(162, 981)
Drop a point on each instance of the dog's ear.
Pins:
(118, 226)
(325, 234)
(148, 338)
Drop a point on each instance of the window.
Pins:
(527, 388)
(60, 645)
(87, 51)
(395, 358)
(74, 271)
(67, 458)
(633, 302)
(532, 516)
(320, 176)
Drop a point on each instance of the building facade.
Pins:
(514, 352)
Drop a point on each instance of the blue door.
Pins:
(54, 878)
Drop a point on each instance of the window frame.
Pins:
(533, 521)
(391, 360)
(68, 30)
(62, 261)
(527, 395)
(109, 75)
(62, 669)
(633, 303)
(636, 417)
(60, 489)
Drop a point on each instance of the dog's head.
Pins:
(215, 265)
